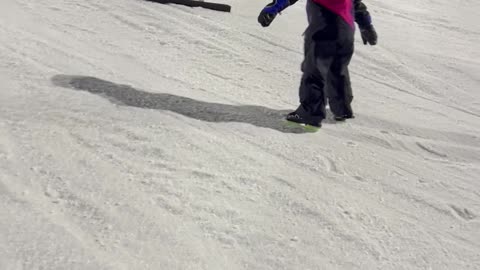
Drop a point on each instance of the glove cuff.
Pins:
(276, 6)
(364, 22)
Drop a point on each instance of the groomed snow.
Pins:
(135, 135)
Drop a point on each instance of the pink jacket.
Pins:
(344, 8)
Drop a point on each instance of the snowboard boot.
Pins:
(297, 118)
(341, 118)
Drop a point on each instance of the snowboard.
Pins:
(306, 128)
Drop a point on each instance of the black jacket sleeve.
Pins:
(362, 16)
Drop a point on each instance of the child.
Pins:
(328, 49)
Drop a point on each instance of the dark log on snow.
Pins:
(194, 3)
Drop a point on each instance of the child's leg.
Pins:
(312, 86)
(320, 50)
(339, 89)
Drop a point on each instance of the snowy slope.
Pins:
(142, 136)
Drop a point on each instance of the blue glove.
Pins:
(271, 10)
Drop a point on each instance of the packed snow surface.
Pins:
(135, 135)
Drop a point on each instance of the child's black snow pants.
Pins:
(329, 45)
